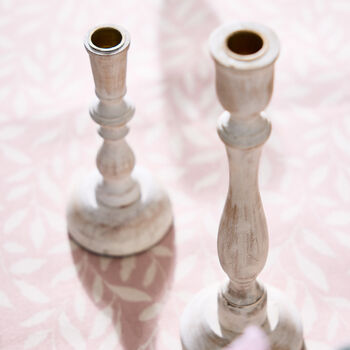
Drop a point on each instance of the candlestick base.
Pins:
(200, 328)
(119, 231)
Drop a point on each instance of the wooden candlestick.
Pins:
(120, 210)
(244, 55)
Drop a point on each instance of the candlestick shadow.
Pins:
(130, 290)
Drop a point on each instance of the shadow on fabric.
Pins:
(129, 291)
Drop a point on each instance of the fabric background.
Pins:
(54, 295)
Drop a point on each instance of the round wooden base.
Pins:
(119, 231)
(200, 328)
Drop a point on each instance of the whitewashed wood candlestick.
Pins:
(119, 210)
(244, 55)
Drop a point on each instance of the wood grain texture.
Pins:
(244, 85)
(122, 210)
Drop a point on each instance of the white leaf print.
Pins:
(340, 140)
(4, 300)
(311, 271)
(49, 187)
(343, 238)
(273, 197)
(184, 267)
(11, 132)
(161, 250)
(127, 266)
(195, 136)
(102, 321)
(334, 97)
(32, 293)
(13, 247)
(317, 243)
(130, 294)
(316, 345)
(37, 232)
(35, 339)
(60, 248)
(169, 341)
(315, 133)
(153, 134)
(64, 275)
(27, 266)
(290, 213)
(150, 274)
(32, 68)
(316, 149)
(318, 176)
(306, 114)
(18, 192)
(206, 158)
(4, 91)
(208, 276)
(339, 302)
(118, 326)
(15, 155)
(15, 220)
(292, 289)
(58, 166)
(207, 181)
(104, 263)
(342, 185)
(79, 306)
(54, 220)
(38, 318)
(110, 342)
(171, 173)
(176, 146)
(324, 201)
(150, 312)
(333, 326)
(74, 151)
(338, 218)
(309, 313)
(20, 176)
(47, 137)
(81, 123)
(342, 6)
(187, 106)
(184, 235)
(70, 333)
(97, 289)
(210, 224)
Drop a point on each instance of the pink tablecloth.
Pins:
(54, 295)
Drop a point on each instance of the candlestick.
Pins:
(244, 55)
(119, 210)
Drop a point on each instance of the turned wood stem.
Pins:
(107, 48)
(243, 238)
(244, 57)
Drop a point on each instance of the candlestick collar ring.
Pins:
(244, 46)
(107, 40)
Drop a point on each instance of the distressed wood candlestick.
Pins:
(120, 210)
(244, 55)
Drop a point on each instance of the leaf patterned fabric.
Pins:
(53, 294)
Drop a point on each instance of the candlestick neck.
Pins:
(107, 48)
